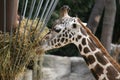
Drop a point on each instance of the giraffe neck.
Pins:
(99, 64)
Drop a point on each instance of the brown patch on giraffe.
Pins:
(80, 47)
(92, 47)
(84, 41)
(98, 69)
(90, 59)
(59, 44)
(79, 37)
(73, 38)
(86, 50)
(64, 30)
(62, 40)
(76, 40)
(101, 58)
(59, 36)
(56, 46)
(66, 40)
(68, 30)
(66, 35)
(54, 40)
(94, 74)
(74, 25)
(52, 43)
(83, 32)
(58, 40)
(111, 73)
(63, 35)
(70, 35)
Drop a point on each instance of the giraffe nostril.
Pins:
(47, 37)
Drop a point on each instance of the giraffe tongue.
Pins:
(64, 11)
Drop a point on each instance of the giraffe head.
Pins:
(66, 30)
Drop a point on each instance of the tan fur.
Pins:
(98, 43)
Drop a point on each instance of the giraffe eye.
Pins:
(57, 30)
(74, 25)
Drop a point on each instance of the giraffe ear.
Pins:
(78, 19)
(82, 23)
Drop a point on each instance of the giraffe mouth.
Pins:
(44, 45)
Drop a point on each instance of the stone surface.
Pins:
(67, 68)
(49, 74)
(80, 69)
(27, 75)
(64, 68)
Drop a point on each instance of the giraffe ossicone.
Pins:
(68, 30)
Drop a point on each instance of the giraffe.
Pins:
(68, 30)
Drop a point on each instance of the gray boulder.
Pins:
(68, 68)
(61, 65)
(79, 70)
(63, 68)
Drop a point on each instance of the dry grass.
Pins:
(17, 50)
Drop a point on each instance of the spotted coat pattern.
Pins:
(68, 30)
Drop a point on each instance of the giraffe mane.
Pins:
(98, 43)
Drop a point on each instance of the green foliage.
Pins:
(80, 8)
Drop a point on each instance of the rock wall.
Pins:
(63, 68)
